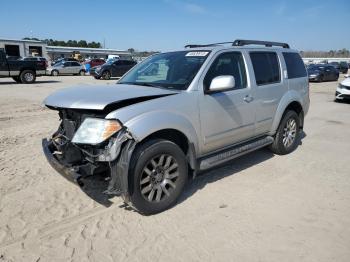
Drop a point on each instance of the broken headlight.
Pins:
(95, 130)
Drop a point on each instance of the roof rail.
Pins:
(241, 42)
(206, 45)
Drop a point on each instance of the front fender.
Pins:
(148, 123)
(289, 97)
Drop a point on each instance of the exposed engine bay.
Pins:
(85, 159)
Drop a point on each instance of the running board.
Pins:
(234, 152)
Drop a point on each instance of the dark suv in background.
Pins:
(112, 69)
(342, 67)
(322, 72)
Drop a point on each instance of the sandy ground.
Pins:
(261, 207)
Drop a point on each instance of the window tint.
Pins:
(75, 64)
(295, 65)
(228, 64)
(266, 67)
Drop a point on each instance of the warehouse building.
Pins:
(55, 52)
(22, 48)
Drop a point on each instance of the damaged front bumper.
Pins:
(66, 172)
(112, 160)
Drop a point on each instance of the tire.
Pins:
(81, 72)
(320, 79)
(27, 77)
(55, 73)
(286, 140)
(17, 79)
(106, 75)
(159, 166)
(97, 77)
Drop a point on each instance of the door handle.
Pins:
(248, 98)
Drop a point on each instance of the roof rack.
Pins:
(206, 45)
(242, 42)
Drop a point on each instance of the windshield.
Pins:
(173, 70)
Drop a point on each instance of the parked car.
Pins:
(335, 64)
(343, 90)
(66, 68)
(95, 62)
(203, 106)
(343, 67)
(112, 69)
(21, 71)
(65, 59)
(322, 72)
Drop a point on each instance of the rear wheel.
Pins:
(106, 75)
(287, 135)
(27, 76)
(158, 176)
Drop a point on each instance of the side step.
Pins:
(234, 152)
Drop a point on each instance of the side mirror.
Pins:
(222, 83)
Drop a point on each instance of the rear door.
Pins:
(269, 87)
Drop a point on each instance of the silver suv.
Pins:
(177, 114)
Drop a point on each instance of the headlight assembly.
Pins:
(95, 130)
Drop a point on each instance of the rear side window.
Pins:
(266, 67)
(295, 65)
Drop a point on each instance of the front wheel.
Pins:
(54, 73)
(27, 77)
(158, 176)
(106, 75)
(287, 135)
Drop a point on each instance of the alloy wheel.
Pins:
(29, 77)
(289, 132)
(159, 178)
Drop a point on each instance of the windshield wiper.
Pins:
(140, 84)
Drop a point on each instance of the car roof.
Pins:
(228, 47)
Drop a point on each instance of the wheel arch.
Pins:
(289, 102)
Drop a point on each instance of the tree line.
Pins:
(71, 43)
(327, 54)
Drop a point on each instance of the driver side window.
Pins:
(231, 63)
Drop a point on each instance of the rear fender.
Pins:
(289, 97)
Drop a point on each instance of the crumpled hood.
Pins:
(98, 97)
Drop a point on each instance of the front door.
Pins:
(227, 117)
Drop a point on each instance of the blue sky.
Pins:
(170, 24)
